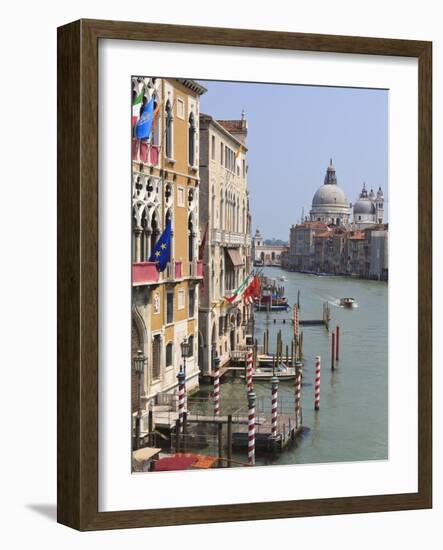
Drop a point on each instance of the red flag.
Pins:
(201, 248)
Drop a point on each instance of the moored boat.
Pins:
(348, 302)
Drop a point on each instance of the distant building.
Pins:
(266, 254)
(302, 245)
(330, 204)
(225, 218)
(369, 208)
(330, 242)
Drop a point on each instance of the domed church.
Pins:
(369, 208)
(330, 204)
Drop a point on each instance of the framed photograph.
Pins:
(244, 275)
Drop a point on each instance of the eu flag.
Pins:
(144, 123)
(162, 250)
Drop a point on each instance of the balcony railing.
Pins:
(178, 269)
(230, 238)
(145, 152)
(144, 273)
(195, 269)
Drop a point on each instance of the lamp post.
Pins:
(138, 362)
(185, 348)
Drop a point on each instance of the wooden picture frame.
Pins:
(77, 480)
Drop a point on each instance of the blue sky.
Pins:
(292, 133)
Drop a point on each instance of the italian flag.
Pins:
(136, 107)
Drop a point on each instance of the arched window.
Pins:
(144, 252)
(191, 140)
(168, 136)
(222, 211)
(154, 230)
(221, 275)
(190, 239)
(156, 356)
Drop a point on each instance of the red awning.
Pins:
(176, 462)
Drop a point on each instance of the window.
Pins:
(226, 156)
(156, 357)
(221, 153)
(180, 299)
(169, 307)
(191, 302)
(168, 136)
(169, 354)
(213, 147)
(244, 168)
(180, 196)
(180, 108)
(191, 236)
(191, 140)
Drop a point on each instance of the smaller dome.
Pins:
(364, 206)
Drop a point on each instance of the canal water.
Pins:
(352, 423)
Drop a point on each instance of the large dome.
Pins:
(329, 195)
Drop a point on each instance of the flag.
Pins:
(253, 291)
(162, 250)
(201, 248)
(136, 106)
(144, 124)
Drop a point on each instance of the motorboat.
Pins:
(348, 302)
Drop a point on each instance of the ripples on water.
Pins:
(353, 421)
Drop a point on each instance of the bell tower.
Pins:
(379, 206)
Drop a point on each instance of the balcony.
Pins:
(178, 269)
(145, 152)
(144, 273)
(196, 269)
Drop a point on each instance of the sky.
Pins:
(293, 131)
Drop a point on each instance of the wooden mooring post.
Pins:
(220, 443)
(333, 351)
(229, 442)
(177, 435)
(337, 343)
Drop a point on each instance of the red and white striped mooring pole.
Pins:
(249, 362)
(181, 395)
(216, 386)
(317, 383)
(296, 321)
(251, 427)
(274, 406)
(298, 398)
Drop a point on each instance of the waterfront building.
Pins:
(302, 246)
(266, 254)
(225, 220)
(369, 208)
(328, 250)
(165, 189)
(330, 242)
(330, 204)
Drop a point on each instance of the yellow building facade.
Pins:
(165, 187)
